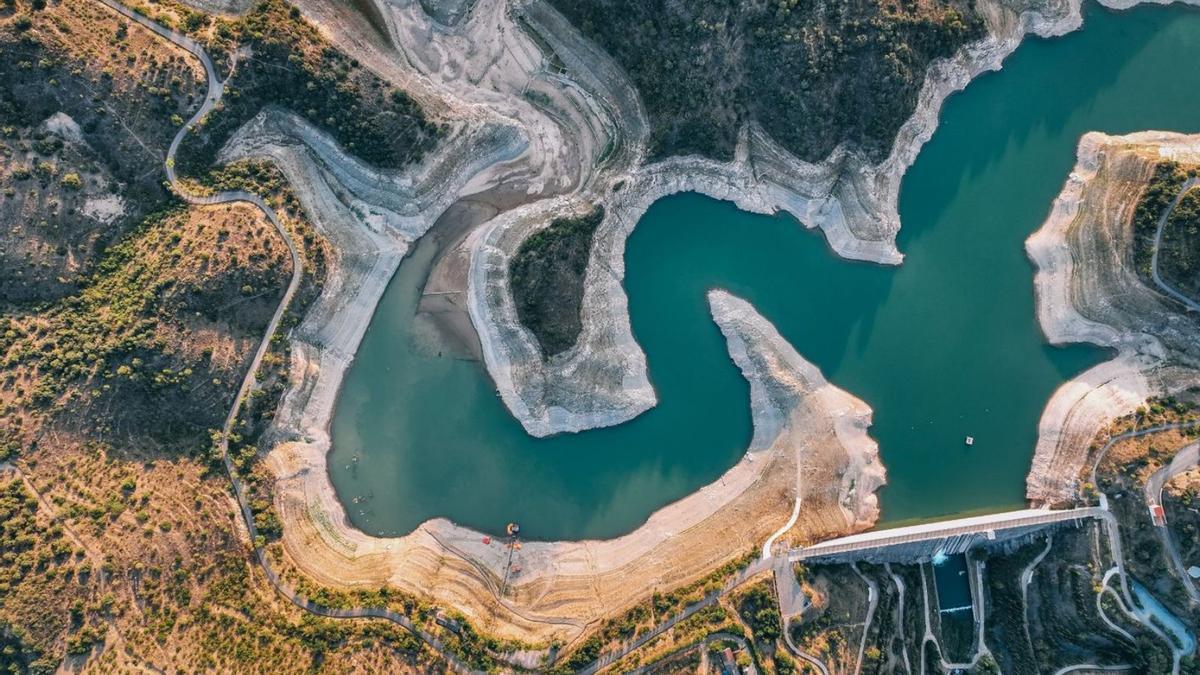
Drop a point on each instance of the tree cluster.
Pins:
(292, 66)
(813, 75)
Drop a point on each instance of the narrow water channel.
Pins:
(942, 347)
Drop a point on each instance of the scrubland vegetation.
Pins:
(885, 643)
(150, 344)
(1179, 257)
(658, 608)
(813, 75)
(1122, 476)
(72, 187)
(123, 336)
(546, 276)
(126, 323)
(1006, 613)
(832, 628)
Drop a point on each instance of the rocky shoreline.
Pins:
(1088, 291)
(575, 139)
(800, 420)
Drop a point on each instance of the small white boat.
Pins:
(970, 440)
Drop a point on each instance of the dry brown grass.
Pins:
(127, 91)
(156, 343)
(173, 585)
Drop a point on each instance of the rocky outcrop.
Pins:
(406, 201)
(1088, 291)
(602, 380)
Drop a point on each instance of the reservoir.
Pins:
(942, 347)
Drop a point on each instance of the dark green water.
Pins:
(953, 585)
(943, 346)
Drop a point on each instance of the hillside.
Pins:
(87, 108)
(812, 74)
(127, 321)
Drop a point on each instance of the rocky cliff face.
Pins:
(792, 403)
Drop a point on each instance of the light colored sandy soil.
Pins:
(105, 209)
(1088, 291)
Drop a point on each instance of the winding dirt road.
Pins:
(1162, 222)
(216, 89)
(1114, 534)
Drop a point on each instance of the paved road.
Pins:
(792, 600)
(708, 639)
(770, 542)
(872, 605)
(942, 530)
(866, 541)
(803, 655)
(1136, 433)
(1187, 458)
(1114, 533)
(901, 589)
(757, 567)
(1105, 588)
(1183, 460)
(1162, 221)
(1026, 578)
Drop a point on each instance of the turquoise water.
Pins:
(942, 347)
(1184, 641)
